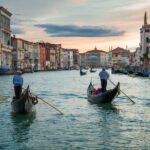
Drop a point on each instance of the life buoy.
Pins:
(34, 100)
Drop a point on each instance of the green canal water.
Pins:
(116, 126)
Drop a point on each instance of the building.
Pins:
(5, 39)
(137, 56)
(75, 58)
(145, 43)
(36, 50)
(96, 58)
(82, 60)
(68, 59)
(18, 53)
(29, 55)
(119, 55)
(42, 56)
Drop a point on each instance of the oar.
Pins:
(123, 93)
(48, 104)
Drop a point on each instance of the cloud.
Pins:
(79, 31)
(17, 30)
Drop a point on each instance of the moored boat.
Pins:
(83, 72)
(26, 103)
(106, 97)
(92, 70)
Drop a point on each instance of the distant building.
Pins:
(96, 58)
(82, 60)
(137, 56)
(68, 59)
(75, 58)
(42, 55)
(119, 55)
(18, 53)
(36, 51)
(145, 43)
(5, 39)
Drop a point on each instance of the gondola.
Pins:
(83, 72)
(142, 74)
(106, 97)
(26, 103)
(91, 70)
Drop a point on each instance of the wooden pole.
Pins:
(123, 93)
(48, 104)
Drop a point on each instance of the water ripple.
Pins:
(120, 125)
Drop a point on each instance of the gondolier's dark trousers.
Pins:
(18, 91)
(103, 85)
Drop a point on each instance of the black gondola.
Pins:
(142, 74)
(83, 72)
(106, 97)
(91, 70)
(26, 103)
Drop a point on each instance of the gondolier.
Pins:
(18, 82)
(104, 75)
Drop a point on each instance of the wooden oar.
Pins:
(123, 93)
(48, 104)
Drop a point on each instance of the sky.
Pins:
(80, 24)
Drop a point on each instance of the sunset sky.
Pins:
(81, 24)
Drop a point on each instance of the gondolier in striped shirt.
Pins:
(18, 82)
(104, 75)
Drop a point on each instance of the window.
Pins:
(147, 50)
(147, 40)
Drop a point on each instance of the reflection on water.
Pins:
(21, 126)
(120, 125)
(108, 107)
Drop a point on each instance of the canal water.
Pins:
(121, 125)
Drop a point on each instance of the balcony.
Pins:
(7, 48)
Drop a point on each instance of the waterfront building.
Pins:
(109, 57)
(29, 55)
(68, 58)
(82, 60)
(42, 55)
(62, 53)
(48, 63)
(52, 56)
(137, 56)
(145, 43)
(58, 53)
(18, 53)
(119, 55)
(132, 59)
(5, 39)
(36, 51)
(96, 58)
(75, 58)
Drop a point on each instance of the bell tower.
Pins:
(145, 18)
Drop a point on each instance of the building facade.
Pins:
(96, 58)
(18, 53)
(145, 43)
(42, 56)
(5, 39)
(119, 55)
